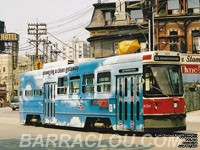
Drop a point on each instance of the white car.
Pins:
(14, 104)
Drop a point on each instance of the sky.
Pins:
(65, 19)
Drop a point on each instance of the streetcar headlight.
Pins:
(156, 106)
(175, 105)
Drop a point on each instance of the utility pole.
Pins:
(37, 29)
(54, 52)
(46, 44)
(148, 10)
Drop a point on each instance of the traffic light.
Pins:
(38, 65)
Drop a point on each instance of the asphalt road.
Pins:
(14, 135)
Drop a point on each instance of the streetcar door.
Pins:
(49, 102)
(129, 102)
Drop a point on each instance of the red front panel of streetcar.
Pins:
(163, 106)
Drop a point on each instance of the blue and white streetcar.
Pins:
(129, 92)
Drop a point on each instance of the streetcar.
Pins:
(133, 92)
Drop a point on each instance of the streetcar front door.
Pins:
(49, 102)
(129, 103)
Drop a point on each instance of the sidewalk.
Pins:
(193, 116)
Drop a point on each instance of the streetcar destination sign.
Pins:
(167, 58)
(128, 70)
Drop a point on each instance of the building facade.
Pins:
(112, 23)
(176, 25)
(76, 49)
(10, 78)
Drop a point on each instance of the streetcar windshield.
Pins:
(162, 80)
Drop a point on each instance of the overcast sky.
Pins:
(64, 18)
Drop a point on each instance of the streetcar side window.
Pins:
(38, 92)
(88, 83)
(74, 85)
(62, 85)
(20, 93)
(104, 82)
(28, 93)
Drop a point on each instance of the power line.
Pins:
(70, 16)
(63, 42)
(71, 28)
(67, 21)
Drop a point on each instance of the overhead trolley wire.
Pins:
(78, 13)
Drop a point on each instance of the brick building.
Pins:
(177, 26)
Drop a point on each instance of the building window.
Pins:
(74, 85)
(62, 85)
(196, 41)
(137, 16)
(4, 69)
(173, 41)
(173, 7)
(88, 83)
(104, 82)
(193, 6)
(108, 18)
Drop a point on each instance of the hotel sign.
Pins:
(9, 37)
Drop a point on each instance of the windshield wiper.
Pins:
(161, 91)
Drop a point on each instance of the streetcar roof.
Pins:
(103, 61)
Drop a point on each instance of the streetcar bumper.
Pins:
(158, 123)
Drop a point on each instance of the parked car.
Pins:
(14, 104)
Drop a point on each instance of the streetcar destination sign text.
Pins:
(167, 58)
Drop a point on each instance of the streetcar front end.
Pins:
(163, 94)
